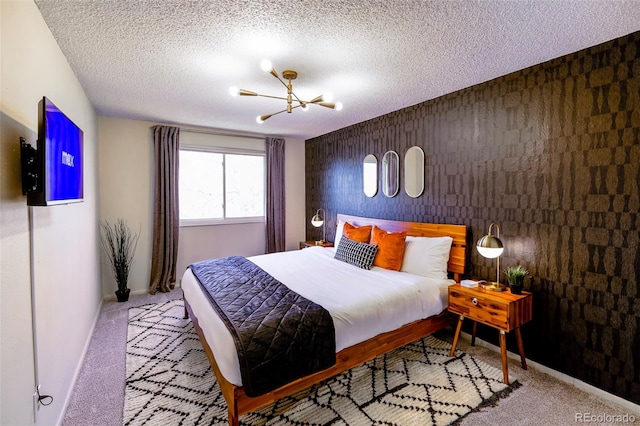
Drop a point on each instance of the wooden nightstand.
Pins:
(502, 310)
(305, 244)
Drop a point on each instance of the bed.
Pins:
(364, 329)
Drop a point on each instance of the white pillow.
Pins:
(427, 256)
(339, 228)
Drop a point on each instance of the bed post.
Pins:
(233, 415)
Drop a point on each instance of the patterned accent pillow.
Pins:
(356, 253)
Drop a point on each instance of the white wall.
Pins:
(125, 153)
(65, 245)
(126, 191)
(214, 241)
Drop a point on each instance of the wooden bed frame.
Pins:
(238, 403)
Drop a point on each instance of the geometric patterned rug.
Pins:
(169, 381)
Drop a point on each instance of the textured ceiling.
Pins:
(174, 61)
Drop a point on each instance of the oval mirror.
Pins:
(414, 171)
(390, 173)
(370, 175)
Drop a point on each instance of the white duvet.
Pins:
(362, 303)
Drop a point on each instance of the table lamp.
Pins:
(491, 247)
(318, 220)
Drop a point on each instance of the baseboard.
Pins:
(628, 405)
(76, 373)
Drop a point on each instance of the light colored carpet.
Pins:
(98, 395)
(169, 381)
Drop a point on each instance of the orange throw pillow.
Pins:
(361, 234)
(390, 248)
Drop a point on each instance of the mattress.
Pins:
(362, 303)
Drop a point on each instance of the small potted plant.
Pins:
(120, 245)
(515, 276)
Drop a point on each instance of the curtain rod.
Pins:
(209, 132)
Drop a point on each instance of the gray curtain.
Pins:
(275, 214)
(165, 209)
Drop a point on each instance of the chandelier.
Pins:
(293, 101)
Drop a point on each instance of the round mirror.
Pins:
(390, 173)
(414, 171)
(370, 175)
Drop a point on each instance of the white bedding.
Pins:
(362, 303)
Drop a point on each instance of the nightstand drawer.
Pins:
(501, 310)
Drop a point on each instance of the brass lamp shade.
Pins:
(490, 246)
(317, 221)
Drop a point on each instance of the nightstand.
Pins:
(305, 244)
(502, 310)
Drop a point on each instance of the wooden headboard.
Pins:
(416, 229)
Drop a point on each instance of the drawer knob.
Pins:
(475, 301)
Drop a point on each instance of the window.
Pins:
(220, 186)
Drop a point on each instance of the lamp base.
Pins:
(493, 286)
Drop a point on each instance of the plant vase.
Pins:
(123, 295)
(515, 277)
(516, 284)
(119, 244)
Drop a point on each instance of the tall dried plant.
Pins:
(120, 243)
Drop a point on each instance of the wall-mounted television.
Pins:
(53, 174)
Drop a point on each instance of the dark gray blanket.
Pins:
(280, 336)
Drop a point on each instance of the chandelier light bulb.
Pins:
(338, 106)
(304, 107)
(234, 91)
(259, 120)
(266, 65)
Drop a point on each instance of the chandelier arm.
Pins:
(272, 97)
(298, 99)
(284, 110)
(317, 100)
(279, 112)
(329, 105)
(280, 80)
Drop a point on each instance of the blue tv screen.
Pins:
(60, 157)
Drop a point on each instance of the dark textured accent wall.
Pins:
(552, 154)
